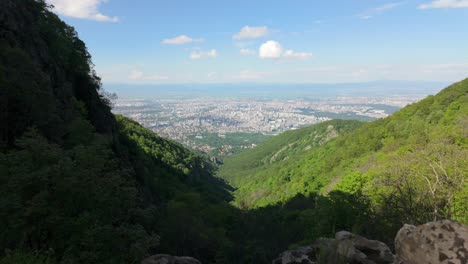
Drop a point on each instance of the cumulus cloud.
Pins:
(445, 4)
(198, 54)
(85, 9)
(273, 50)
(140, 76)
(247, 52)
(249, 32)
(378, 10)
(270, 50)
(182, 39)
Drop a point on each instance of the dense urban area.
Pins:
(223, 126)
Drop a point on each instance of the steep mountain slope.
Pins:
(45, 74)
(435, 128)
(79, 185)
(282, 149)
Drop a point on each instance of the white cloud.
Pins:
(297, 55)
(386, 7)
(182, 39)
(273, 50)
(140, 76)
(270, 50)
(195, 55)
(378, 10)
(249, 32)
(445, 4)
(85, 9)
(247, 52)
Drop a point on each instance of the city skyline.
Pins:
(222, 126)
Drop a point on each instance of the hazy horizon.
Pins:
(274, 90)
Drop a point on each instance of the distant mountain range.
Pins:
(278, 91)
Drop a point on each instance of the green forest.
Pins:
(81, 185)
(421, 149)
(227, 144)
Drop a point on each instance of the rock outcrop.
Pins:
(435, 242)
(441, 242)
(168, 259)
(345, 248)
(303, 255)
(357, 249)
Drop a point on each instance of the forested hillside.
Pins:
(413, 164)
(82, 186)
(279, 151)
(79, 185)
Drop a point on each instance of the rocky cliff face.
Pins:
(441, 242)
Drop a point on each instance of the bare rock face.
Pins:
(345, 248)
(168, 259)
(441, 242)
(303, 255)
(357, 249)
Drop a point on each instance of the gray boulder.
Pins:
(441, 242)
(321, 251)
(303, 255)
(168, 259)
(358, 249)
(345, 248)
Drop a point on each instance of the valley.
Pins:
(221, 126)
(320, 162)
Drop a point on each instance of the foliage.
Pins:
(82, 186)
(281, 167)
(20, 257)
(193, 205)
(412, 165)
(62, 196)
(228, 143)
(74, 180)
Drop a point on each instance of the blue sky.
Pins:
(175, 41)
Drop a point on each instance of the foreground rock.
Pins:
(441, 242)
(168, 259)
(303, 255)
(435, 242)
(357, 249)
(345, 248)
